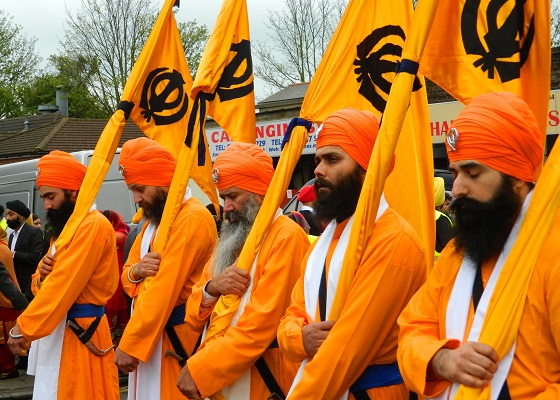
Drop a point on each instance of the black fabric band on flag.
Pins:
(198, 112)
(202, 134)
(192, 121)
(293, 123)
(323, 294)
(408, 66)
(126, 107)
(478, 289)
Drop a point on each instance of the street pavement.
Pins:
(22, 388)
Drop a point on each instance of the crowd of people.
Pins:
(204, 325)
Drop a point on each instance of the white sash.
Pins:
(241, 388)
(45, 355)
(314, 270)
(145, 381)
(460, 301)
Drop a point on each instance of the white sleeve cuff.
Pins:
(208, 297)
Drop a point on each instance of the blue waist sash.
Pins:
(85, 311)
(177, 316)
(377, 376)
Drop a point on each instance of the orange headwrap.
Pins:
(354, 131)
(245, 166)
(499, 131)
(144, 161)
(60, 170)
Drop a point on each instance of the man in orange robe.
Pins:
(71, 289)
(356, 355)
(156, 333)
(494, 148)
(227, 364)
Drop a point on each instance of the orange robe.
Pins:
(189, 247)
(391, 270)
(535, 371)
(86, 274)
(228, 357)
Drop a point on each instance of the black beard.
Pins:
(482, 228)
(13, 223)
(341, 200)
(154, 211)
(56, 219)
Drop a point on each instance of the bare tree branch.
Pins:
(109, 35)
(299, 35)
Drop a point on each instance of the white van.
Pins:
(17, 181)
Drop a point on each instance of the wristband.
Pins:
(130, 276)
(15, 336)
(208, 296)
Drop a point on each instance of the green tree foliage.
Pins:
(18, 61)
(194, 37)
(106, 37)
(70, 75)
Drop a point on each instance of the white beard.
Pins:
(233, 236)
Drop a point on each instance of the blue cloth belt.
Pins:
(177, 316)
(85, 311)
(377, 376)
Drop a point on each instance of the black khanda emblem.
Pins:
(506, 44)
(163, 97)
(236, 82)
(376, 56)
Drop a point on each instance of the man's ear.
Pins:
(259, 199)
(73, 194)
(520, 187)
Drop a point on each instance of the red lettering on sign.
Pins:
(215, 137)
(260, 132)
(270, 130)
(435, 128)
(444, 127)
(553, 118)
(225, 137)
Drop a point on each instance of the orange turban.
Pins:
(144, 161)
(60, 170)
(499, 131)
(244, 165)
(354, 131)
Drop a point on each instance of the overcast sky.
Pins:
(44, 20)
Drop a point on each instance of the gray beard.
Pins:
(232, 237)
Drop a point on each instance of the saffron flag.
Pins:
(161, 107)
(155, 96)
(480, 46)
(225, 74)
(360, 62)
(162, 103)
